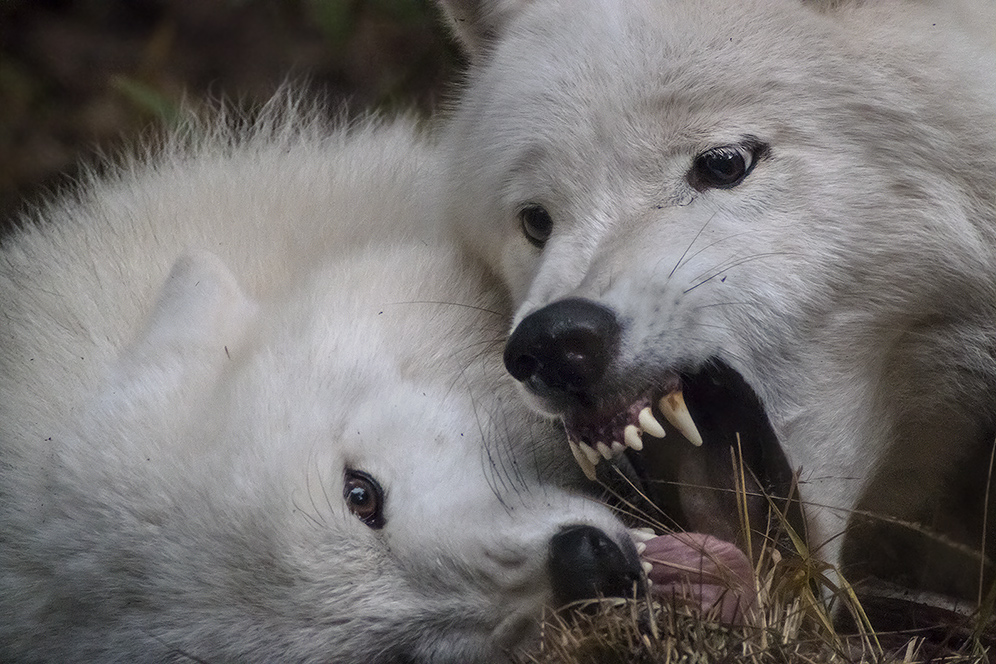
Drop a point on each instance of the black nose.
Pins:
(563, 348)
(586, 564)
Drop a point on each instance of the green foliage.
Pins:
(148, 100)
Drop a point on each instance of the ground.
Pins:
(81, 75)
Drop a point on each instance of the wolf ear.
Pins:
(200, 314)
(200, 303)
(478, 23)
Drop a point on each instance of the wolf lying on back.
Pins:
(782, 211)
(251, 410)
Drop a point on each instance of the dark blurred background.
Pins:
(81, 75)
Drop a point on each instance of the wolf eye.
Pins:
(723, 167)
(364, 498)
(537, 225)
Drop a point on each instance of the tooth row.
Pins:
(673, 407)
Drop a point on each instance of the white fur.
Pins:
(851, 278)
(195, 348)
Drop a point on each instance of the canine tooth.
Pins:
(631, 434)
(674, 409)
(650, 423)
(589, 451)
(586, 465)
(604, 450)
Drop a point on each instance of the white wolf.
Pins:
(783, 212)
(251, 410)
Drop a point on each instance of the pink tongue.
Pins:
(704, 571)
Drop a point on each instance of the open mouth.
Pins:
(691, 445)
(696, 443)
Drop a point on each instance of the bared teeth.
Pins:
(633, 437)
(674, 409)
(650, 424)
(672, 406)
(587, 465)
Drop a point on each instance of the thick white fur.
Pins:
(851, 278)
(196, 346)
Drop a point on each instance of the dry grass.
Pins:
(792, 624)
(801, 606)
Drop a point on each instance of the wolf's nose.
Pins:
(563, 348)
(586, 564)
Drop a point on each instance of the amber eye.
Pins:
(537, 225)
(723, 167)
(364, 498)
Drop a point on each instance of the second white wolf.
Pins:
(252, 409)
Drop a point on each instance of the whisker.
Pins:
(681, 258)
(734, 264)
(704, 248)
(452, 304)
